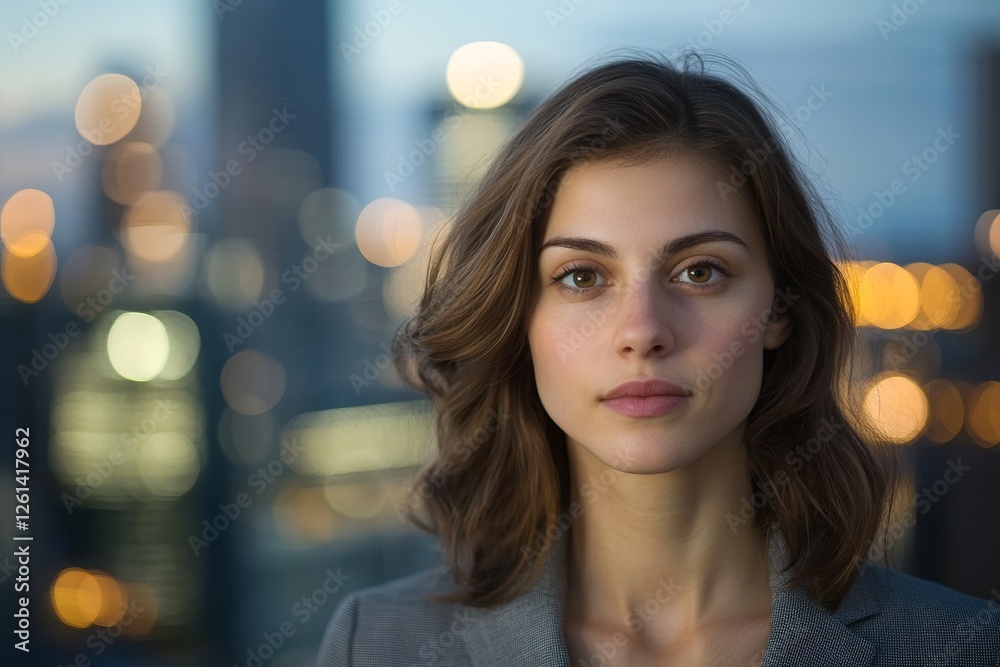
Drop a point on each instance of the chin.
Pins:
(645, 456)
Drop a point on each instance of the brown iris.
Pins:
(705, 271)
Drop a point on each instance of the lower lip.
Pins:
(645, 406)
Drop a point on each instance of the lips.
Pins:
(645, 388)
(646, 406)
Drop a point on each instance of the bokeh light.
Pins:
(401, 291)
(145, 610)
(26, 222)
(302, 515)
(157, 227)
(76, 597)
(184, 344)
(138, 346)
(476, 138)
(28, 279)
(252, 382)
(946, 410)
(108, 109)
(130, 169)
(484, 75)
(112, 599)
(357, 500)
(940, 298)
(890, 296)
(371, 437)
(168, 464)
(970, 297)
(328, 212)
(897, 407)
(388, 231)
(987, 232)
(156, 122)
(853, 273)
(984, 414)
(234, 273)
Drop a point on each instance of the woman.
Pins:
(634, 338)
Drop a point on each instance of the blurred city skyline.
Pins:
(890, 88)
(215, 215)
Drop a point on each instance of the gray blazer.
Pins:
(886, 619)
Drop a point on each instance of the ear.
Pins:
(777, 331)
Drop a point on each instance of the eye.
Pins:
(589, 277)
(700, 274)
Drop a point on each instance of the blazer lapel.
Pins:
(803, 632)
(529, 629)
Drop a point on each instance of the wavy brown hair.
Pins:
(500, 475)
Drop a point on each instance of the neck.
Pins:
(662, 540)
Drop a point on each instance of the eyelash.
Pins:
(580, 267)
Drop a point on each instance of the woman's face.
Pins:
(607, 308)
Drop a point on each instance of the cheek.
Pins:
(548, 342)
(557, 335)
(563, 356)
(732, 355)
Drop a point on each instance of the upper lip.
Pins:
(648, 387)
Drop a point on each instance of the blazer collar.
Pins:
(529, 630)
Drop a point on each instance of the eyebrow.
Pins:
(677, 245)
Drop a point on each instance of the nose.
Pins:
(643, 326)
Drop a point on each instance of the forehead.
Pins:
(649, 202)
